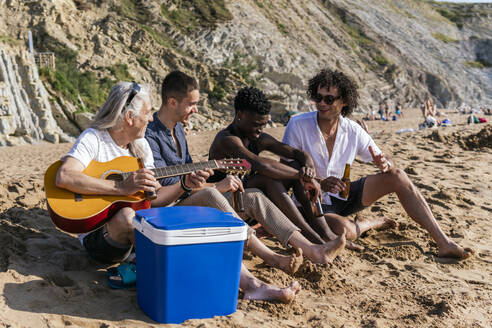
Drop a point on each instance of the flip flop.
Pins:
(123, 276)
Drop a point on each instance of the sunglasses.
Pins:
(328, 99)
(133, 93)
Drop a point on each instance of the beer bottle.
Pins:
(346, 179)
(238, 201)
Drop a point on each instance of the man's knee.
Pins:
(399, 179)
(253, 195)
(256, 199)
(120, 225)
(214, 198)
(339, 223)
(211, 193)
(123, 218)
(351, 230)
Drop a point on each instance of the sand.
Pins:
(46, 279)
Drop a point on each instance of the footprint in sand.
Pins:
(423, 186)
(61, 280)
(410, 170)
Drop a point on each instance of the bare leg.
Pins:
(211, 197)
(259, 206)
(255, 289)
(289, 264)
(120, 227)
(319, 223)
(324, 253)
(277, 193)
(355, 228)
(396, 180)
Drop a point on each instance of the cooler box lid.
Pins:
(181, 225)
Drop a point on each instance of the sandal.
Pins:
(123, 276)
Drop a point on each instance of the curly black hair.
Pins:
(347, 89)
(252, 100)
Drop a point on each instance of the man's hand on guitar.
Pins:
(143, 179)
(229, 183)
(197, 179)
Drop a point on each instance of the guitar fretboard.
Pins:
(175, 170)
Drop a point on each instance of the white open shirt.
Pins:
(351, 140)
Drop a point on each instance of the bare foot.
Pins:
(273, 293)
(454, 250)
(326, 252)
(386, 223)
(289, 264)
(380, 222)
(353, 246)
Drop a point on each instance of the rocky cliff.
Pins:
(395, 50)
(26, 114)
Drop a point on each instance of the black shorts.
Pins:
(352, 205)
(103, 249)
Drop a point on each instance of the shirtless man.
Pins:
(118, 130)
(245, 138)
(180, 96)
(333, 140)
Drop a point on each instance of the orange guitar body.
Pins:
(77, 213)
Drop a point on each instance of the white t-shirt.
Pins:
(98, 145)
(351, 140)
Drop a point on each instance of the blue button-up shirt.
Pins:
(164, 149)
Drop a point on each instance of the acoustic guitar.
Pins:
(78, 213)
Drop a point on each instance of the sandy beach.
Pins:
(47, 280)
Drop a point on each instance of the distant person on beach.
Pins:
(371, 116)
(387, 112)
(180, 93)
(245, 138)
(118, 130)
(430, 107)
(398, 110)
(423, 109)
(333, 140)
(381, 111)
(429, 113)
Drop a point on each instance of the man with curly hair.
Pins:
(244, 138)
(333, 140)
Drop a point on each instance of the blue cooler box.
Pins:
(188, 262)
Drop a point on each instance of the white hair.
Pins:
(112, 113)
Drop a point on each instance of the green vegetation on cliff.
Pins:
(190, 16)
(443, 38)
(477, 64)
(72, 83)
(9, 40)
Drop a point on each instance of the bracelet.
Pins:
(185, 188)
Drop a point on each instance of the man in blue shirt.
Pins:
(169, 147)
(180, 96)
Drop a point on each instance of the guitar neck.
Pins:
(175, 170)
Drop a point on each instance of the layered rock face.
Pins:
(25, 109)
(396, 51)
